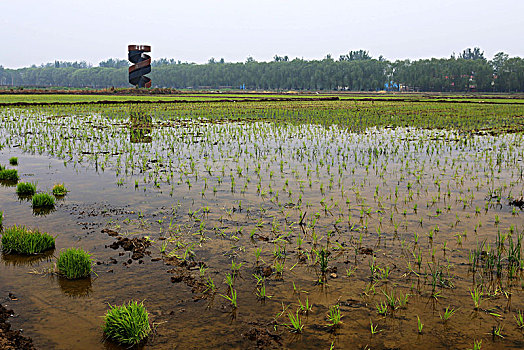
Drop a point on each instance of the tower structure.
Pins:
(141, 65)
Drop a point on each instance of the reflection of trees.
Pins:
(140, 128)
(75, 288)
(26, 260)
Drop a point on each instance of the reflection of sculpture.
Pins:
(141, 66)
(140, 130)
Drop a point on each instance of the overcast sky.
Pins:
(35, 32)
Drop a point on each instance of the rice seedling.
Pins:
(323, 259)
(374, 328)
(20, 240)
(127, 324)
(382, 308)
(235, 268)
(295, 323)
(1, 218)
(43, 200)
(279, 267)
(350, 271)
(447, 314)
(74, 263)
(210, 284)
(334, 315)
(476, 295)
(13, 161)
(163, 247)
(496, 331)
(519, 318)
(26, 188)
(232, 299)
(420, 325)
(261, 292)
(260, 279)
(402, 300)
(306, 307)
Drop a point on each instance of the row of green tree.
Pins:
(356, 71)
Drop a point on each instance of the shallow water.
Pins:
(222, 190)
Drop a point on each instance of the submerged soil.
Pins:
(315, 215)
(12, 339)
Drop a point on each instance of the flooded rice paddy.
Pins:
(273, 225)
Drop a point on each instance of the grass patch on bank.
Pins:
(127, 324)
(18, 239)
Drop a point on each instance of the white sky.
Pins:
(40, 31)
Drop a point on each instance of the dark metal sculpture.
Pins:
(141, 66)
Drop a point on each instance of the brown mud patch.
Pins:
(137, 246)
(263, 337)
(182, 272)
(11, 339)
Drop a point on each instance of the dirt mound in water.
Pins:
(9, 339)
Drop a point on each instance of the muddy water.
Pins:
(218, 198)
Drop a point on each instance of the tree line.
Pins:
(355, 71)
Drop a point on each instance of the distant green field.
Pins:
(197, 97)
(72, 98)
(4, 98)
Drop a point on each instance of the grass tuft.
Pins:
(43, 200)
(74, 263)
(59, 190)
(127, 324)
(18, 239)
(9, 175)
(26, 188)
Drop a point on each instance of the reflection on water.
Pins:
(75, 288)
(27, 260)
(24, 197)
(140, 128)
(43, 211)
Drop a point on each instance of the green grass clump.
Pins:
(18, 239)
(26, 188)
(1, 217)
(9, 175)
(59, 190)
(127, 324)
(74, 263)
(13, 161)
(43, 200)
